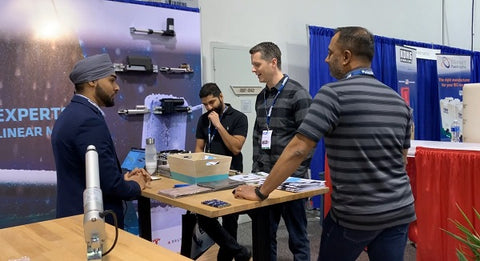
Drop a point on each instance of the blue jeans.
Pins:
(342, 244)
(295, 218)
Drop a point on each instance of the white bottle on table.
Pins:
(150, 156)
(455, 126)
(455, 131)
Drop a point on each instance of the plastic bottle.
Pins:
(455, 131)
(150, 156)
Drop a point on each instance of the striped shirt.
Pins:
(288, 112)
(366, 126)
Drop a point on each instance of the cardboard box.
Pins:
(199, 167)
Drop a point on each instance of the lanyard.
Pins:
(268, 111)
(361, 71)
(212, 135)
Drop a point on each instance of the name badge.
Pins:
(266, 139)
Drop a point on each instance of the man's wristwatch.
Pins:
(259, 194)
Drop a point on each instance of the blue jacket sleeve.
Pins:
(112, 183)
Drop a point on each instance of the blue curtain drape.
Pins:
(427, 120)
(383, 63)
(427, 124)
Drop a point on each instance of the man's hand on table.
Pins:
(246, 192)
(140, 176)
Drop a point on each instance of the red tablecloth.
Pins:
(440, 179)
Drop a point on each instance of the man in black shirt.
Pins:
(222, 130)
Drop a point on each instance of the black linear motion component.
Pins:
(168, 32)
(137, 64)
(170, 105)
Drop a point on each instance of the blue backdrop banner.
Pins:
(406, 62)
(453, 72)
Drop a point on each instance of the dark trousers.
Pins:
(295, 218)
(224, 235)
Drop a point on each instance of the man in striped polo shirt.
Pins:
(367, 129)
(281, 107)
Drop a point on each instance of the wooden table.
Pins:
(257, 210)
(63, 239)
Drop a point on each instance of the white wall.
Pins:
(284, 22)
(248, 22)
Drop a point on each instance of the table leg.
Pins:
(189, 220)
(261, 240)
(144, 218)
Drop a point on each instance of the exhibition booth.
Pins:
(156, 51)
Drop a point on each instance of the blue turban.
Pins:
(92, 68)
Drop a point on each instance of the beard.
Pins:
(103, 97)
(335, 72)
(218, 110)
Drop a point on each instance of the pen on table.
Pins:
(180, 185)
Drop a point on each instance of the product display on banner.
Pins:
(406, 62)
(28, 180)
(167, 32)
(453, 72)
(136, 64)
(183, 68)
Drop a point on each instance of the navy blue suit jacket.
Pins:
(82, 124)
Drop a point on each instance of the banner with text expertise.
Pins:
(406, 62)
(453, 71)
(35, 88)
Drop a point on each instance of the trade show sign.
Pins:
(40, 41)
(406, 62)
(453, 71)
